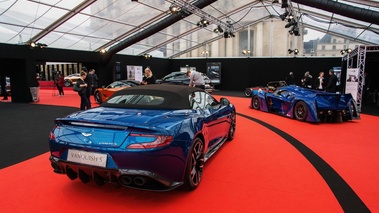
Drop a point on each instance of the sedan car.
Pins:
(306, 104)
(152, 137)
(180, 78)
(270, 87)
(71, 79)
(102, 94)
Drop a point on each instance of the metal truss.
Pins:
(360, 52)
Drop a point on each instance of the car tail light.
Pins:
(148, 141)
(52, 136)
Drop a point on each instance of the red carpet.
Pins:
(259, 171)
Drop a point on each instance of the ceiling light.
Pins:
(218, 29)
(203, 23)
(102, 51)
(33, 44)
(228, 34)
(174, 9)
(147, 56)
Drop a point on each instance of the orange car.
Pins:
(102, 94)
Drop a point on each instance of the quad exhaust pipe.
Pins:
(126, 180)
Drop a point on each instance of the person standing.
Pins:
(290, 79)
(95, 80)
(320, 82)
(3, 83)
(82, 93)
(196, 79)
(307, 80)
(89, 82)
(366, 88)
(148, 77)
(332, 82)
(59, 82)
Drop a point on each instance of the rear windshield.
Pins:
(136, 99)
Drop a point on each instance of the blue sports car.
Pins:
(153, 137)
(306, 104)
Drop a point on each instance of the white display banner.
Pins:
(134, 72)
(352, 82)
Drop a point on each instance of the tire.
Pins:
(300, 111)
(97, 97)
(67, 83)
(195, 164)
(248, 92)
(232, 128)
(256, 104)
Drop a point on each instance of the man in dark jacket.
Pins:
(332, 82)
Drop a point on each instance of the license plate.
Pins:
(88, 158)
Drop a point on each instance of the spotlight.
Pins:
(246, 52)
(344, 51)
(295, 31)
(203, 23)
(205, 52)
(228, 34)
(284, 3)
(294, 51)
(40, 45)
(102, 51)
(174, 9)
(147, 56)
(218, 29)
(284, 15)
(292, 23)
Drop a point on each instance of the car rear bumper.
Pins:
(132, 178)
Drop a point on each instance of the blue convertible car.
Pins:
(306, 104)
(153, 137)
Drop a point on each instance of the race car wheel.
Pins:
(300, 111)
(256, 104)
(195, 164)
(232, 128)
(67, 83)
(97, 96)
(248, 92)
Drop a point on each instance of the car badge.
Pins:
(86, 134)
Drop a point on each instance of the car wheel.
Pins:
(67, 83)
(195, 164)
(300, 111)
(97, 96)
(232, 128)
(256, 104)
(248, 92)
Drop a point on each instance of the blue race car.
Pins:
(152, 137)
(306, 104)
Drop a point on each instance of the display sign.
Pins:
(134, 72)
(352, 82)
(214, 72)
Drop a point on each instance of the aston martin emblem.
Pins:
(86, 134)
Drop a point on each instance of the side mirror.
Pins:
(224, 101)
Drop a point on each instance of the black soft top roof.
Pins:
(175, 96)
